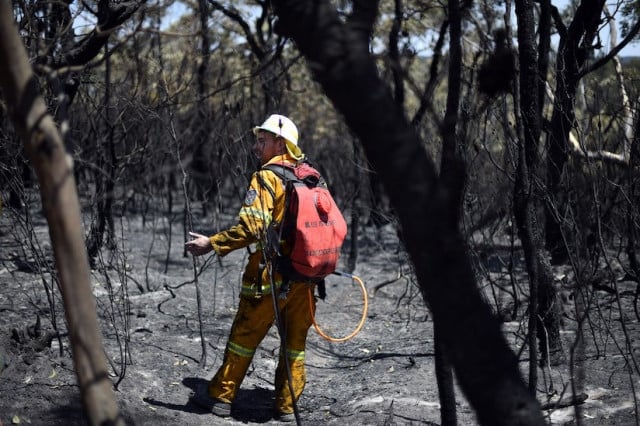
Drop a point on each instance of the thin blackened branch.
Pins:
(235, 17)
(427, 94)
(613, 52)
(544, 46)
(110, 16)
(394, 54)
(557, 19)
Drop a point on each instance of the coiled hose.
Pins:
(365, 300)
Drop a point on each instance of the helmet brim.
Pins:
(294, 150)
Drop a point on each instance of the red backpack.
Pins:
(313, 227)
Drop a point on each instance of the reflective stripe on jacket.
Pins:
(263, 203)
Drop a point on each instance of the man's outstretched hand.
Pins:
(201, 244)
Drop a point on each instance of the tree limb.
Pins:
(235, 17)
(62, 210)
(578, 150)
(614, 51)
(110, 16)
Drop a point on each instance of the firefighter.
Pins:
(276, 140)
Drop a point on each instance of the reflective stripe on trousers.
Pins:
(251, 324)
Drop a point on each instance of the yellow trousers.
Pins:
(253, 320)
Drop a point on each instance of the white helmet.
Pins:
(280, 125)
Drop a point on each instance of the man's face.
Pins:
(267, 146)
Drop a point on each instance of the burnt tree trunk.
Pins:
(62, 210)
(573, 50)
(354, 226)
(453, 178)
(105, 178)
(526, 200)
(338, 54)
(632, 213)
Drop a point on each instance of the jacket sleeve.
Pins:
(254, 216)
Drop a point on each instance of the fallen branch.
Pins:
(568, 401)
(387, 282)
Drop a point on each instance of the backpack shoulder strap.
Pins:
(301, 172)
(284, 171)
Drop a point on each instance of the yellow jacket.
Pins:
(258, 210)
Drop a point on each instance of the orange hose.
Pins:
(362, 319)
